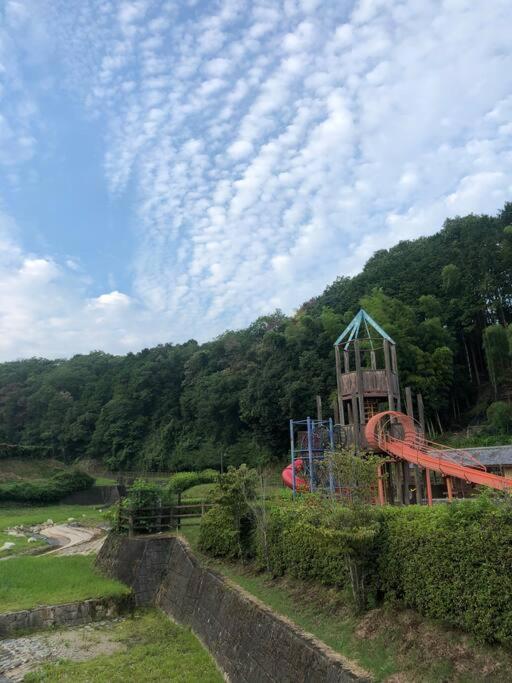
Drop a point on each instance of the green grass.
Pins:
(156, 650)
(26, 582)
(21, 545)
(85, 514)
(104, 481)
(198, 493)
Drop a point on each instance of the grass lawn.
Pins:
(88, 515)
(105, 481)
(198, 493)
(27, 582)
(156, 650)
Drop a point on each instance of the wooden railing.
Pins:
(154, 520)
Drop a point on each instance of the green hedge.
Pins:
(54, 489)
(181, 481)
(452, 562)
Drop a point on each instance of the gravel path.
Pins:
(19, 656)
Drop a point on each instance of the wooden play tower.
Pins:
(366, 375)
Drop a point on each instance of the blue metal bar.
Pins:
(310, 452)
(292, 449)
(377, 327)
(331, 443)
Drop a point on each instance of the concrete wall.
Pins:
(250, 643)
(69, 614)
(96, 495)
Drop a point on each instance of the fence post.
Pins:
(130, 525)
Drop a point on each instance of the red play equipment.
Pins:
(411, 445)
(397, 434)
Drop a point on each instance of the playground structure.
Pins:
(370, 418)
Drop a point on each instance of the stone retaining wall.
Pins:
(69, 614)
(250, 643)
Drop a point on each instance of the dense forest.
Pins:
(445, 299)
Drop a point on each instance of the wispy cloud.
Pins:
(271, 146)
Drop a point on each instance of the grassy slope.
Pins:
(157, 650)
(386, 642)
(27, 582)
(18, 469)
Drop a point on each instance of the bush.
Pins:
(57, 487)
(218, 535)
(452, 563)
(181, 481)
(499, 417)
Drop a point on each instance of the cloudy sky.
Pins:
(173, 168)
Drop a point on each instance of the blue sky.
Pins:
(172, 169)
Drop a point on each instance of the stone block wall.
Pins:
(250, 643)
(69, 614)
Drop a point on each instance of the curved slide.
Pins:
(287, 477)
(449, 462)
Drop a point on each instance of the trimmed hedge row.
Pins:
(54, 489)
(452, 563)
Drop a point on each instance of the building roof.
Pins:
(492, 455)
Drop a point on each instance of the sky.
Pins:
(173, 169)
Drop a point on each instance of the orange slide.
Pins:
(413, 447)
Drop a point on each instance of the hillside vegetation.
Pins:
(442, 298)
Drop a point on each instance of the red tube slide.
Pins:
(287, 477)
(450, 462)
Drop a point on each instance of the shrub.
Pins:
(57, 487)
(218, 535)
(452, 563)
(499, 417)
(181, 481)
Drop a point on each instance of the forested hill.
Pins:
(178, 406)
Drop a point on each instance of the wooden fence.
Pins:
(157, 519)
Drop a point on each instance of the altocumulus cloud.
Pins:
(269, 146)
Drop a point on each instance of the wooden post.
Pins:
(359, 382)
(389, 380)
(449, 488)
(421, 413)
(399, 482)
(319, 408)
(394, 377)
(346, 360)
(356, 422)
(429, 487)
(373, 360)
(407, 481)
(380, 486)
(419, 485)
(338, 384)
(408, 402)
(130, 525)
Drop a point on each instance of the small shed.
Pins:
(497, 459)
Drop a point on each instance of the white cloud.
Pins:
(267, 148)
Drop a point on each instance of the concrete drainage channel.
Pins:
(250, 642)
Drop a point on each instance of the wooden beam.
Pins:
(408, 402)
(449, 488)
(338, 383)
(421, 412)
(429, 487)
(387, 365)
(319, 408)
(355, 417)
(359, 382)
